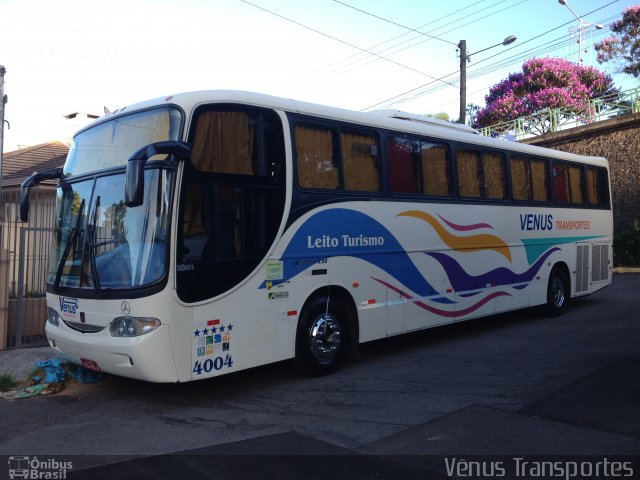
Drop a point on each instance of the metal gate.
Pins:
(27, 303)
(24, 258)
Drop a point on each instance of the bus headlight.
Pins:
(52, 316)
(132, 326)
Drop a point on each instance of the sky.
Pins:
(82, 55)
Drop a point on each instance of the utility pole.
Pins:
(3, 100)
(464, 58)
(463, 81)
(4, 292)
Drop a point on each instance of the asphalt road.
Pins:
(500, 387)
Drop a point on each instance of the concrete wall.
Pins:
(618, 140)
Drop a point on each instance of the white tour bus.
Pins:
(209, 232)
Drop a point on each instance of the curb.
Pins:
(626, 270)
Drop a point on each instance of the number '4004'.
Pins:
(210, 364)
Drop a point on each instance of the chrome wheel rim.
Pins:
(557, 292)
(325, 338)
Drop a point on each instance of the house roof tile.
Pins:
(19, 164)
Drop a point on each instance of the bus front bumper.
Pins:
(147, 357)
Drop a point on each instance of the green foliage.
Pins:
(623, 48)
(440, 116)
(545, 83)
(7, 382)
(472, 112)
(626, 246)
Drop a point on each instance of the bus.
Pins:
(208, 232)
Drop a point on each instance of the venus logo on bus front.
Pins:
(68, 306)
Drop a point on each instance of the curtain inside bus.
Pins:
(315, 162)
(436, 172)
(360, 162)
(223, 143)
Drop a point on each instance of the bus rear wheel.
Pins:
(558, 292)
(321, 337)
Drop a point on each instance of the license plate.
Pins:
(90, 365)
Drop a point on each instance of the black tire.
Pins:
(321, 338)
(558, 293)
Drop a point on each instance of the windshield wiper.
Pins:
(67, 248)
(91, 245)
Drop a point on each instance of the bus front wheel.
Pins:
(558, 292)
(321, 337)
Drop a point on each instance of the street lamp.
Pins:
(581, 22)
(464, 58)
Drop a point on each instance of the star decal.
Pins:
(196, 333)
(230, 327)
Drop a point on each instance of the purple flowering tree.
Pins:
(624, 49)
(544, 83)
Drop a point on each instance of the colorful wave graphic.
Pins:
(339, 223)
(465, 228)
(469, 243)
(441, 312)
(328, 233)
(461, 281)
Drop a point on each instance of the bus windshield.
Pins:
(110, 144)
(101, 244)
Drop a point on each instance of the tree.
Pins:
(440, 116)
(472, 112)
(627, 46)
(544, 83)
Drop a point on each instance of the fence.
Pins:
(556, 119)
(24, 258)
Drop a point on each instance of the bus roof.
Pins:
(387, 119)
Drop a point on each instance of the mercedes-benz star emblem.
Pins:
(126, 309)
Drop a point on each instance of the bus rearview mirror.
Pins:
(29, 183)
(134, 182)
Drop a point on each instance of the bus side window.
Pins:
(224, 143)
(469, 173)
(360, 160)
(529, 180)
(402, 167)
(567, 183)
(436, 169)
(560, 183)
(597, 186)
(575, 184)
(520, 179)
(315, 159)
(539, 180)
(494, 177)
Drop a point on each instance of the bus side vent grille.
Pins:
(599, 263)
(582, 269)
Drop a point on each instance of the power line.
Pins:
(359, 63)
(425, 92)
(394, 23)
(369, 61)
(338, 40)
(347, 59)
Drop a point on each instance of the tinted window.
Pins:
(529, 180)
(360, 161)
